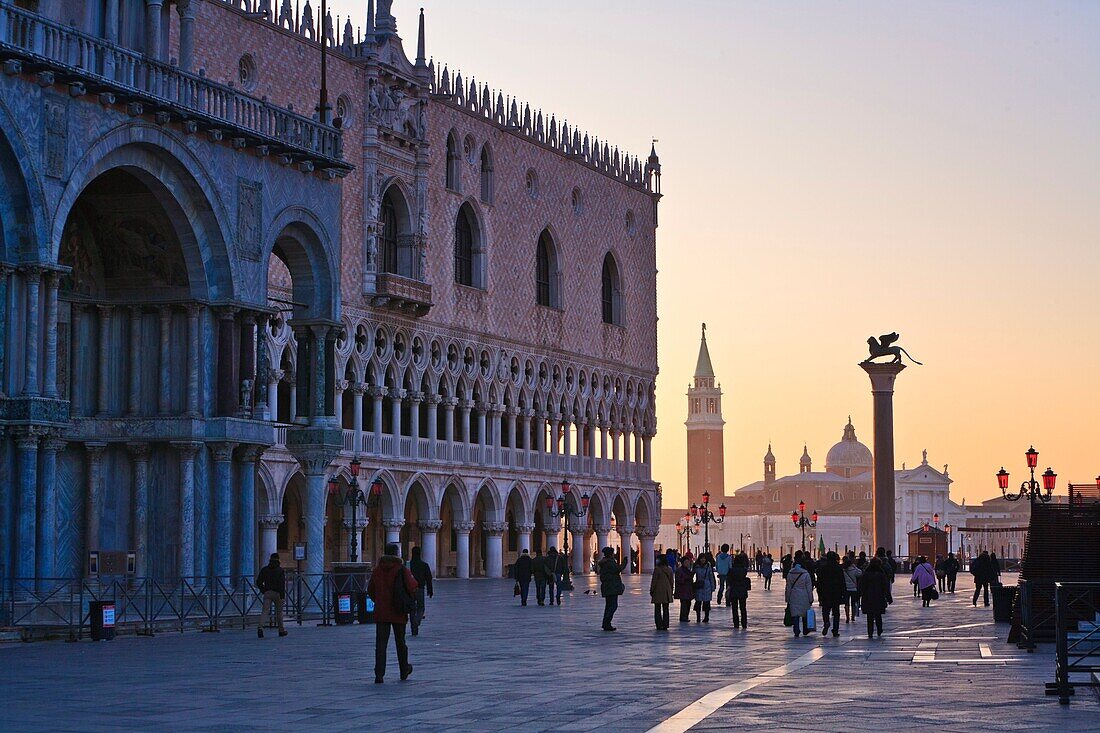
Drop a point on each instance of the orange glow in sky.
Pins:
(834, 171)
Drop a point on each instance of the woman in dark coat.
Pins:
(685, 588)
(660, 592)
(830, 591)
(611, 584)
(874, 591)
(737, 585)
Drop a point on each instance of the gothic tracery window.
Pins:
(611, 291)
(388, 247)
(546, 272)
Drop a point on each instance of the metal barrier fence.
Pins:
(1077, 611)
(59, 606)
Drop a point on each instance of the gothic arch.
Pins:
(396, 217)
(22, 223)
(298, 237)
(470, 248)
(392, 505)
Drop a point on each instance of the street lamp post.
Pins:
(1029, 488)
(563, 510)
(947, 528)
(701, 514)
(353, 497)
(684, 529)
(800, 521)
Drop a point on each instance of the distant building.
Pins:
(705, 464)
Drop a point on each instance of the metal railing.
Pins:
(101, 63)
(1075, 603)
(59, 606)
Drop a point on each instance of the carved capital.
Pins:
(271, 521)
(466, 527)
(193, 309)
(378, 392)
(188, 449)
(434, 399)
(449, 403)
(139, 451)
(276, 375)
(430, 525)
(222, 451)
(393, 523)
(647, 532)
(226, 313)
(415, 397)
(359, 388)
(495, 528)
(251, 453)
(397, 394)
(526, 528)
(27, 437)
(52, 443)
(341, 385)
(95, 451)
(602, 529)
(33, 274)
(625, 531)
(105, 310)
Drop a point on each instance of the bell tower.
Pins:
(705, 469)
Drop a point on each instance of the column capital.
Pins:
(882, 375)
(251, 453)
(276, 375)
(466, 405)
(625, 531)
(28, 436)
(466, 527)
(94, 449)
(33, 273)
(415, 397)
(222, 451)
(378, 392)
(104, 309)
(602, 529)
(6, 269)
(430, 525)
(140, 451)
(226, 312)
(393, 523)
(433, 399)
(193, 308)
(271, 521)
(53, 443)
(188, 448)
(525, 528)
(359, 388)
(397, 394)
(449, 403)
(647, 532)
(341, 385)
(554, 416)
(495, 529)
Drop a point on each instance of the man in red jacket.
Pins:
(390, 610)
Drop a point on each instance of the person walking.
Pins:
(422, 574)
(980, 568)
(830, 591)
(994, 569)
(941, 574)
(538, 572)
(852, 574)
(661, 592)
(555, 572)
(523, 569)
(757, 560)
(722, 565)
(766, 568)
(951, 569)
(890, 566)
(785, 564)
(611, 584)
(874, 595)
(271, 582)
(704, 587)
(392, 587)
(737, 590)
(685, 588)
(924, 579)
(799, 595)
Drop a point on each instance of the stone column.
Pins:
(579, 548)
(186, 562)
(377, 394)
(393, 530)
(626, 442)
(186, 9)
(449, 419)
(269, 535)
(164, 384)
(227, 362)
(45, 566)
(110, 21)
(540, 432)
(133, 403)
(555, 426)
(139, 527)
(882, 390)
(103, 392)
(7, 313)
(194, 359)
(462, 554)
(415, 398)
(222, 454)
(464, 421)
(429, 542)
(567, 438)
(615, 468)
(510, 426)
(525, 531)
(49, 387)
(26, 445)
(646, 536)
(494, 548)
(603, 426)
(314, 509)
(524, 428)
(624, 541)
(292, 381)
(482, 435)
(93, 500)
(339, 387)
(396, 395)
(553, 532)
(249, 455)
(357, 391)
(273, 378)
(152, 28)
(433, 423)
(638, 445)
(647, 437)
(33, 335)
(246, 365)
(603, 537)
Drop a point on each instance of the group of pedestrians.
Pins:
(550, 573)
(695, 582)
(860, 585)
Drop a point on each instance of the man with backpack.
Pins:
(271, 582)
(393, 588)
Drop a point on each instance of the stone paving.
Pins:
(482, 663)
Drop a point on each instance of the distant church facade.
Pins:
(217, 295)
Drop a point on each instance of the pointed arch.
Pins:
(611, 291)
(547, 271)
(454, 161)
(469, 248)
(486, 174)
(396, 250)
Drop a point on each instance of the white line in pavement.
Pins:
(940, 628)
(697, 711)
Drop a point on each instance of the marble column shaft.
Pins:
(429, 543)
(33, 336)
(186, 560)
(49, 386)
(139, 459)
(462, 553)
(103, 386)
(164, 365)
(316, 493)
(194, 358)
(93, 499)
(223, 507)
(133, 403)
(246, 526)
(46, 564)
(26, 445)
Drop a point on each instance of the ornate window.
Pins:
(486, 174)
(546, 272)
(611, 291)
(469, 251)
(387, 247)
(454, 157)
(246, 72)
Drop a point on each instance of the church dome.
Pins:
(849, 457)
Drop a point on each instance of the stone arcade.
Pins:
(213, 303)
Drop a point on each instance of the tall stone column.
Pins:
(46, 563)
(133, 402)
(357, 391)
(579, 549)
(462, 551)
(555, 427)
(393, 530)
(494, 548)
(464, 421)
(6, 313)
(291, 378)
(227, 362)
(396, 395)
(510, 426)
(482, 434)
(33, 335)
(603, 537)
(882, 391)
(152, 28)
(315, 465)
(93, 499)
(377, 396)
(186, 559)
(449, 420)
(269, 535)
(110, 21)
(164, 366)
(625, 534)
(246, 365)
(646, 535)
(525, 531)
(139, 459)
(246, 524)
(26, 445)
(433, 423)
(339, 388)
(103, 393)
(186, 9)
(194, 359)
(553, 532)
(273, 378)
(429, 542)
(415, 398)
(49, 386)
(567, 438)
(222, 454)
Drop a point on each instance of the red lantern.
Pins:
(1002, 479)
(802, 507)
(814, 516)
(706, 497)
(561, 503)
(549, 503)
(679, 527)
(1049, 478)
(355, 467)
(1032, 457)
(694, 510)
(565, 486)
(721, 510)
(584, 501)
(376, 487)
(794, 517)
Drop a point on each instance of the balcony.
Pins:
(31, 44)
(401, 294)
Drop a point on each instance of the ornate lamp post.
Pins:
(563, 510)
(1029, 488)
(701, 514)
(800, 521)
(353, 497)
(947, 528)
(684, 529)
